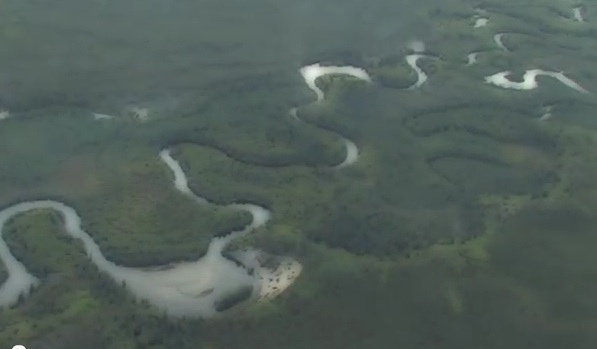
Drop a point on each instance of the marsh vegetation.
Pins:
(467, 221)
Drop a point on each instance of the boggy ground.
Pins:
(466, 222)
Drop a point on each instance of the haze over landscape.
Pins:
(298, 174)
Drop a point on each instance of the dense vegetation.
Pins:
(467, 222)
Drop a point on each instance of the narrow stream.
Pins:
(310, 75)
(529, 81)
(497, 38)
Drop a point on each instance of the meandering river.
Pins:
(187, 288)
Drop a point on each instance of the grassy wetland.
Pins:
(468, 220)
